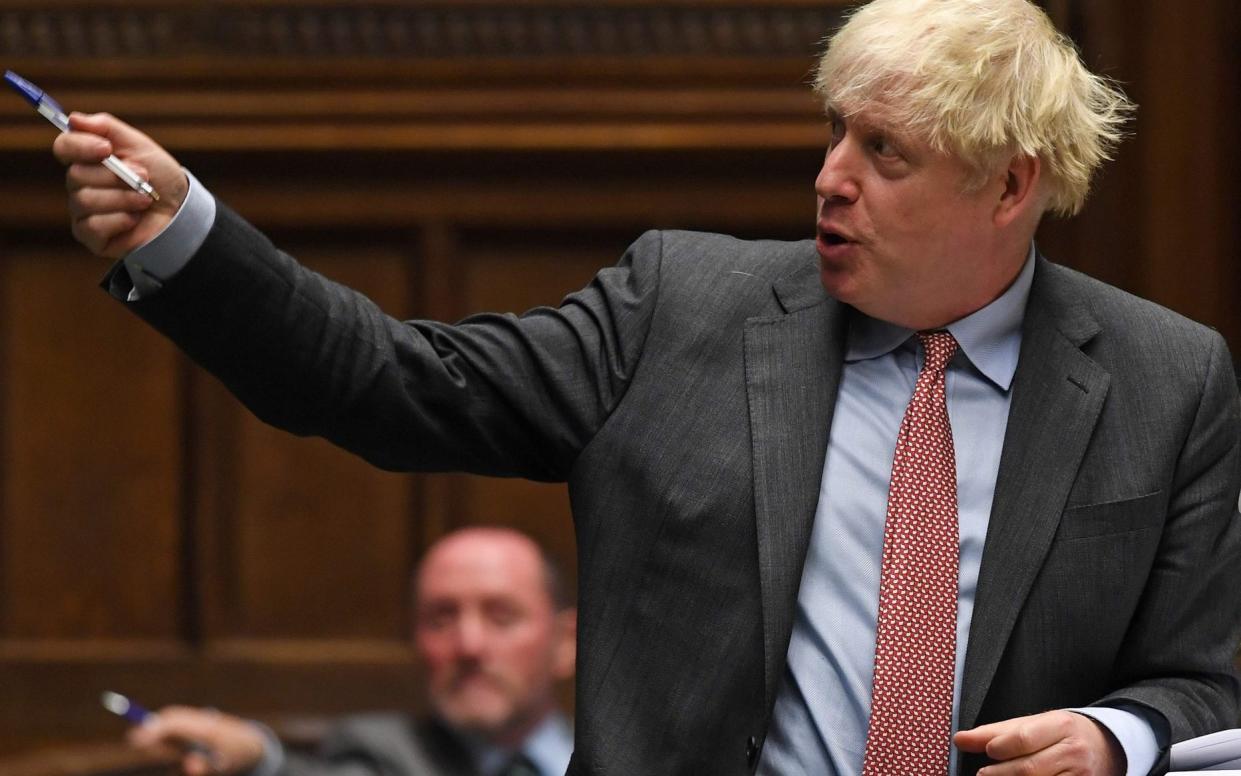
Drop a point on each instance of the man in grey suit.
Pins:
(495, 630)
(725, 415)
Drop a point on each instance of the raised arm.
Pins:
(495, 394)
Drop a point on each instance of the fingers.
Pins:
(216, 744)
(1057, 760)
(179, 731)
(92, 137)
(103, 234)
(179, 724)
(1048, 744)
(108, 217)
(89, 201)
(1027, 735)
(87, 175)
(105, 212)
(80, 148)
(197, 764)
(976, 740)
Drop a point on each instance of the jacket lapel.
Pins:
(1057, 394)
(792, 368)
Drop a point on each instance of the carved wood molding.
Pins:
(379, 30)
(451, 75)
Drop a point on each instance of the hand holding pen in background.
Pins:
(211, 743)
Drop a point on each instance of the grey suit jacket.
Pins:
(685, 396)
(383, 745)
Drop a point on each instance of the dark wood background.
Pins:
(444, 157)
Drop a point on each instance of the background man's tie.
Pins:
(520, 765)
(915, 642)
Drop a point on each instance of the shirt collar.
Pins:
(549, 746)
(990, 337)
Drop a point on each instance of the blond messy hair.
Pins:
(982, 80)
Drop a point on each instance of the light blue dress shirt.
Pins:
(823, 705)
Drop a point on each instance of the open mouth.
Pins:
(831, 238)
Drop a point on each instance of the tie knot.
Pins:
(939, 346)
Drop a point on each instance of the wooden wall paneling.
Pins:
(310, 542)
(1189, 120)
(439, 287)
(1161, 221)
(1104, 240)
(513, 271)
(1229, 203)
(744, 190)
(92, 460)
(90, 759)
(212, 424)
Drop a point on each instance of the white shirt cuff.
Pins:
(1134, 732)
(155, 262)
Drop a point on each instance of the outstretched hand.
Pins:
(1055, 743)
(212, 743)
(108, 217)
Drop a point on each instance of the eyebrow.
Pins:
(868, 125)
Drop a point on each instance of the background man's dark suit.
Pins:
(686, 395)
(384, 744)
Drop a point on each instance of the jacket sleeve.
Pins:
(493, 394)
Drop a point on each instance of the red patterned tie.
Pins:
(916, 638)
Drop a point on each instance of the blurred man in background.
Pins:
(495, 630)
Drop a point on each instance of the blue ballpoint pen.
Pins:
(124, 708)
(51, 110)
(134, 714)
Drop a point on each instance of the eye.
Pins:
(438, 617)
(884, 148)
(437, 620)
(503, 613)
(836, 131)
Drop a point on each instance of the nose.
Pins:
(837, 180)
(471, 636)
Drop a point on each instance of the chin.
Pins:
(839, 284)
(484, 722)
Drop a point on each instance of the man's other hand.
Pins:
(214, 744)
(109, 217)
(1052, 743)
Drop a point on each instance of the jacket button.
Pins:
(751, 751)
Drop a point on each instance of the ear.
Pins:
(1021, 194)
(564, 658)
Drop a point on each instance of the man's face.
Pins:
(898, 236)
(488, 632)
